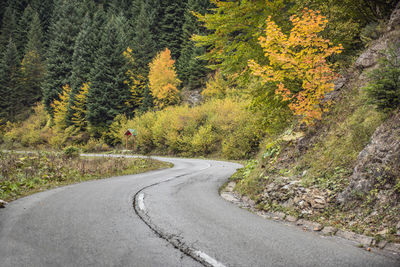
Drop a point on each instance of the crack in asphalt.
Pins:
(173, 239)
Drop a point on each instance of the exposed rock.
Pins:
(279, 215)
(339, 83)
(329, 230)
(383, 232)
(364, 240)
(370, 56)
(192, 97)
(270, 187)
(312, 226)
(248, 201)
(381, 155)
(3, 203)
(290, 218)
(288, 203)
(229, 197)
(318, 202)
(381, 244)
(394, 18)
(230, 186)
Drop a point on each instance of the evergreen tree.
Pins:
(21, 34)
(9, 77)
(8, 28)
(172, 18)
(61, 49)
(148, 101)
(86, 47)
(35, 35)
(192, 70)
(18, 6)
(83, 56)
(32, 66)
(144, 44)
(108, 92)
(45, 10)
(3, 6)
(134, 10)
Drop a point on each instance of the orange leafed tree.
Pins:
(163, 80)
(299, 59)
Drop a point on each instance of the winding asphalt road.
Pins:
(171, 217)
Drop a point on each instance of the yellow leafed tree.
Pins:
(136, 82)
(60, 107)
(298, 65)
(79, 108)
(163, 80)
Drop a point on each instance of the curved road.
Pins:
(177, 219)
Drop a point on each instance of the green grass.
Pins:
(25, 174)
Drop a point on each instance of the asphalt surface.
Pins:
(171, 217)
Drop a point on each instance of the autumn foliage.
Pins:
(163, 80)
(79, 108)
(135, 81)
(61, 108)
(298, 64)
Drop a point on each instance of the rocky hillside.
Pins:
(343, 172)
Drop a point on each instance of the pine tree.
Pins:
(3, 7)
(83, 56)
(108, 91)
(191, 69)
(18, 6)
(32, 66)
(22, 29)
(44, 8)
(61, 49)
(143, 44)
(172, 18)
(87, 44)
(9, 77)
(8, 28)
(134, 10)
(35, 35)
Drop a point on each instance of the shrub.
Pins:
(372, 31)
(30, 133)
(223, 127)
(95, 145)
(71, 152)
(384, 89)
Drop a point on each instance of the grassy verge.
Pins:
(25, 174)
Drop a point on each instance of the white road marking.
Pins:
(141, 202)
(213, 262)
